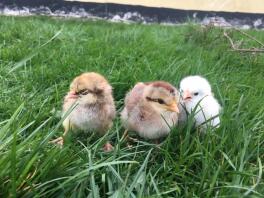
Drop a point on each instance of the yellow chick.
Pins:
(151, 109)
(95, 108)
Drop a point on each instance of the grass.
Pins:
(40, 56)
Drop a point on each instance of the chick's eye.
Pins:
(196, 94)
(83, 92)
(161, 101)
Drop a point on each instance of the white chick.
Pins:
(196, 93)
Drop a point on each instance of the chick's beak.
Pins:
(72, 95)
(173, 107)
(186, 95)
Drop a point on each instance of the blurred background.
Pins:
(240, 13)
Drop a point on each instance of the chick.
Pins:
(151, 109)
(95, 108)
(197, 95)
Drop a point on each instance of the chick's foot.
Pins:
(59, 141)
(108, 147)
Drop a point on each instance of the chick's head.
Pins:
(91, 88)
(162, 96)
(194, 89)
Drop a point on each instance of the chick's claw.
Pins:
(59, 141)
(132, 139)
(108, 147)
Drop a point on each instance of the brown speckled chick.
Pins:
(151, 109)
(95, 109)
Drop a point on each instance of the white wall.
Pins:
(247, 6)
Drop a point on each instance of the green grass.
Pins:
(40, 56)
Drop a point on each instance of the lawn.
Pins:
(40, 56)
